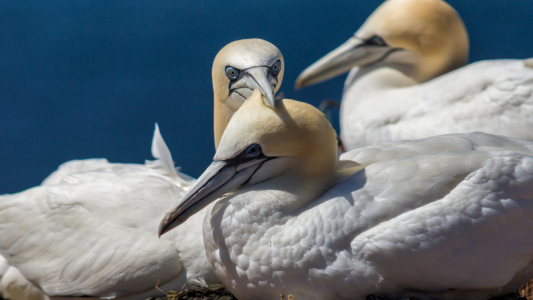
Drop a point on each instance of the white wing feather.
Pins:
(444, 213)
(161, 152)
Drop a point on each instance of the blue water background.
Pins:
(88, 79)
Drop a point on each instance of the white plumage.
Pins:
(14, 285)
(91, 230)
(425, 218)
(446, 217)
(402, 84)
(491, 96)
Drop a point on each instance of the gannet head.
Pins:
(421, 38)
(261, 143)
(240, 68)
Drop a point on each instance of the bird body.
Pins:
(493, 96)
(402, 83)
(442, 217)
(89, 230)
(15, 286)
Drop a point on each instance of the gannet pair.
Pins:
(90, 228)
(446, 217)
(402, 84)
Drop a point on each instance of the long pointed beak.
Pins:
(218, 179)
(258, 79)
(354, 52)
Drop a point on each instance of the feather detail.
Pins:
(162, 155)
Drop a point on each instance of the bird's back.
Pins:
(449, 215)
(91, 230)
(489, 96)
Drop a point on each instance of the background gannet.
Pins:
(396, 88)
(96, 205)
(238, 69)
(446, 217)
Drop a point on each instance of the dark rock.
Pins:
(213, 292)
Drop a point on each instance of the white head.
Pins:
(261, 143)
(421, 38)
(240, 68)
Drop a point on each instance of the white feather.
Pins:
(447, 217)
(491, 96)
(91, 230)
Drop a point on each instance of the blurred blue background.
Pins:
(88, 79)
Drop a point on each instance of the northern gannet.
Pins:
(402, 84)
(446, 217)
(90, 228)
(240, 68)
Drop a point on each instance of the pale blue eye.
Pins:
(253, 151)
(276, 68)
(232, 73)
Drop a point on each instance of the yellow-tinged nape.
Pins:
(256, 58)
(291, 129)
(430, 28)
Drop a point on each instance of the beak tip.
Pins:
(268, 98)
(167, 224)
(269, 102)
(161, 230)
(163, 227)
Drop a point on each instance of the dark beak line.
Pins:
(202, 188)
(170, 217)
(216, 181)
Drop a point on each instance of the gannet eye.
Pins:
(232, 73)
(253, 151)
(376, 40)
(276, 68)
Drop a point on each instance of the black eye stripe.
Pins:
(244, 157)
(376, 40)
(241, 70)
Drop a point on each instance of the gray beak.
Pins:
(218, 179)
(354, 52)
(258, 79)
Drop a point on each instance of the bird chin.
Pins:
(237, 97)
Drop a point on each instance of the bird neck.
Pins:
(408, 68)
(222, 116)
(376, 78)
